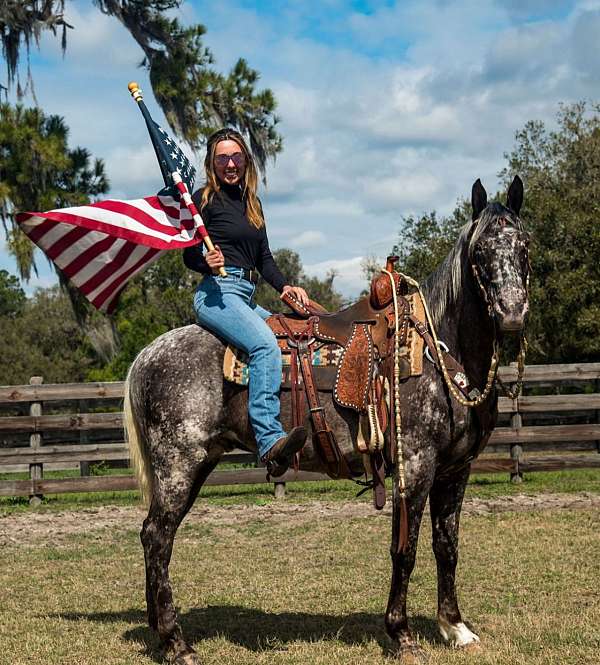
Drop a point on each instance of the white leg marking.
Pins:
(458, 634)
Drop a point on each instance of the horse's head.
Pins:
(499, 256)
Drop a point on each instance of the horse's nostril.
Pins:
(512, 321)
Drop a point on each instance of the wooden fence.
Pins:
(565, 428)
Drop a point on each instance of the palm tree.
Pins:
(195, 98)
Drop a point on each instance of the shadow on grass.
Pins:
(257, 630)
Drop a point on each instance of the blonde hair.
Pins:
(253, 208)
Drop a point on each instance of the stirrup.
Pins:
(275, 470)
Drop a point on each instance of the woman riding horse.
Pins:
(234, 218)
(181, 416)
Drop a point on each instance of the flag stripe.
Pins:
(95, 265)
(81, 247)
(166, 204)
(136, 213)
(87, 256)
(106, 293)
(150, 238)
(38, 231)
(54, 235)
(110, 303)
(98, 279)
(67, 240)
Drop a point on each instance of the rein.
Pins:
(512, 394)
(400, 475)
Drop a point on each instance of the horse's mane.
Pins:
(445, 284)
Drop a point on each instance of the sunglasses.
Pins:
(236, 157)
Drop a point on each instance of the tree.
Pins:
(424, 242)
(12, 296)
(561, 169)
(195, 98)
(38, 171)
(45, 339)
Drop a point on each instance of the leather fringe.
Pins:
(402, 544)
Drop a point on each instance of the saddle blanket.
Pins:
(235, 363)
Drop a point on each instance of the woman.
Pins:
(234, 219)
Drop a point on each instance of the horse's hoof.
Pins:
(411, 654)
(186, 659)
(472, 647)
(458, 635)
(181, 653)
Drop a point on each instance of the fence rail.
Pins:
(33, 426)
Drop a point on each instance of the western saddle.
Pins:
(362, 335)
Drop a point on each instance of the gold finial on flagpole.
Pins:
(135, 91)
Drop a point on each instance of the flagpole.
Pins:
(136, 93)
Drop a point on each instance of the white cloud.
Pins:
(133, 170)
(349, 280)
(96, 41)
(387, 114)
(307, 239)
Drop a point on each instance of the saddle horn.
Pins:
(390, 262)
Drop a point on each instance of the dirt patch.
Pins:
(52, 528)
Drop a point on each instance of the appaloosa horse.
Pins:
(181, 416)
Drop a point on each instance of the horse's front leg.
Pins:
(445, 502)
(396, 620)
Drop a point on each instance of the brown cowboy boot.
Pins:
(280, 456)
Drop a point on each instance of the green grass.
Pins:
(481, 486)
(306, 591)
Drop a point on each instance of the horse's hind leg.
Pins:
(445, 502)
(171, 500)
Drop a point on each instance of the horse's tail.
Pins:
(134, 435)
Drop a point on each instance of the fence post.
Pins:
(516, 451)
(279, 489)
(84, 437)
(36, 471)
(597, 390)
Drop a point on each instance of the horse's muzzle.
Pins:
(512, 319)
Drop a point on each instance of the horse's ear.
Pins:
(514, 198)
(478, 199)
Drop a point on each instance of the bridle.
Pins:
(523, 344)
(492, 376)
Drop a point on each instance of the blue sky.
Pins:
(387, 108)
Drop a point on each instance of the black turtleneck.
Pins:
(242, 244)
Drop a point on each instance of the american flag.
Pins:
(99, 247)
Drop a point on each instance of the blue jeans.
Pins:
(225, 306)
